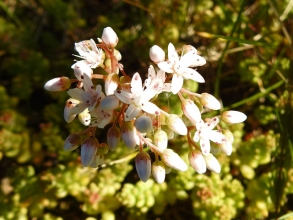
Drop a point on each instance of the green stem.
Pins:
(256, 96)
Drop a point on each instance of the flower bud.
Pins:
(176, 124)
(89, 148)
(109, 103)
(111, 83)
(209, 101)
(212, 163)
(172, 159)
(157, 54)
(159, 171)
(161, 139)
(144, 124)
(128, 132)
(97, 161)
(191, 111)
(117, 54)
(58, 84)
(113, 137)
(197, 161)
(72, 141)
(143, 165)
(109, 37)
(233, 117)
(85, 117)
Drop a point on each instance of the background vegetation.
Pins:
(248, 46)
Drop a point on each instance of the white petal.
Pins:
(177, 83)
(75, 93)
(193, 75)
(198, 61)
(150, 108)
(166, 66)
(131, 112)
(125, 97)
(172, 54)
(217, 137)
(88, 84)
(187, 59)
(213, 163)
(136, 84)
(205, 146)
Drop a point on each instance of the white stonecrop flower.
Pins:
(157, 54)
(111, 83)
(233, 117)
(205, 134)
(138, 99)
(180, 67)
(156, 82)
(93, 56)
(109, 37)
(89, 96)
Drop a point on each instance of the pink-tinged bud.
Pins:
(176, 124)
(89, 148)
(161, 139)
(226, 147)
(144, 124)
(109, 37)
(157, 54)
(97, 161)
(80, 68)
(111, 83)
(85, 117)
(58, 84)
(212, 163)
(191, 111)
(128, 132)
(113, 137)
(72, 141)
(233, 117)
(109, 103)
(173, 160)
(197, 161)
(159, 171)
(209, 101)
(143, 165)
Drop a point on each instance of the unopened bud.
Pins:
(176, 124)
(109, 37)
(157, 54)
(113, 137)
(88, 150)
(226, 147)
(109, 103)
(161, 139)
(72, 141)
(212, 163)
(58, 84)
(97, 161)
(172, 159)
(144, 124)
(159, 171)
(197, 161)
(233, 117)
(191, 111)
(209, 101)
(143, 165)
(128, 132)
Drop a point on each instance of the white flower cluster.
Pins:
(128, 104)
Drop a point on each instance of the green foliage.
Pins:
(249, 54)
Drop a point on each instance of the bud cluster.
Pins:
(129, 106)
